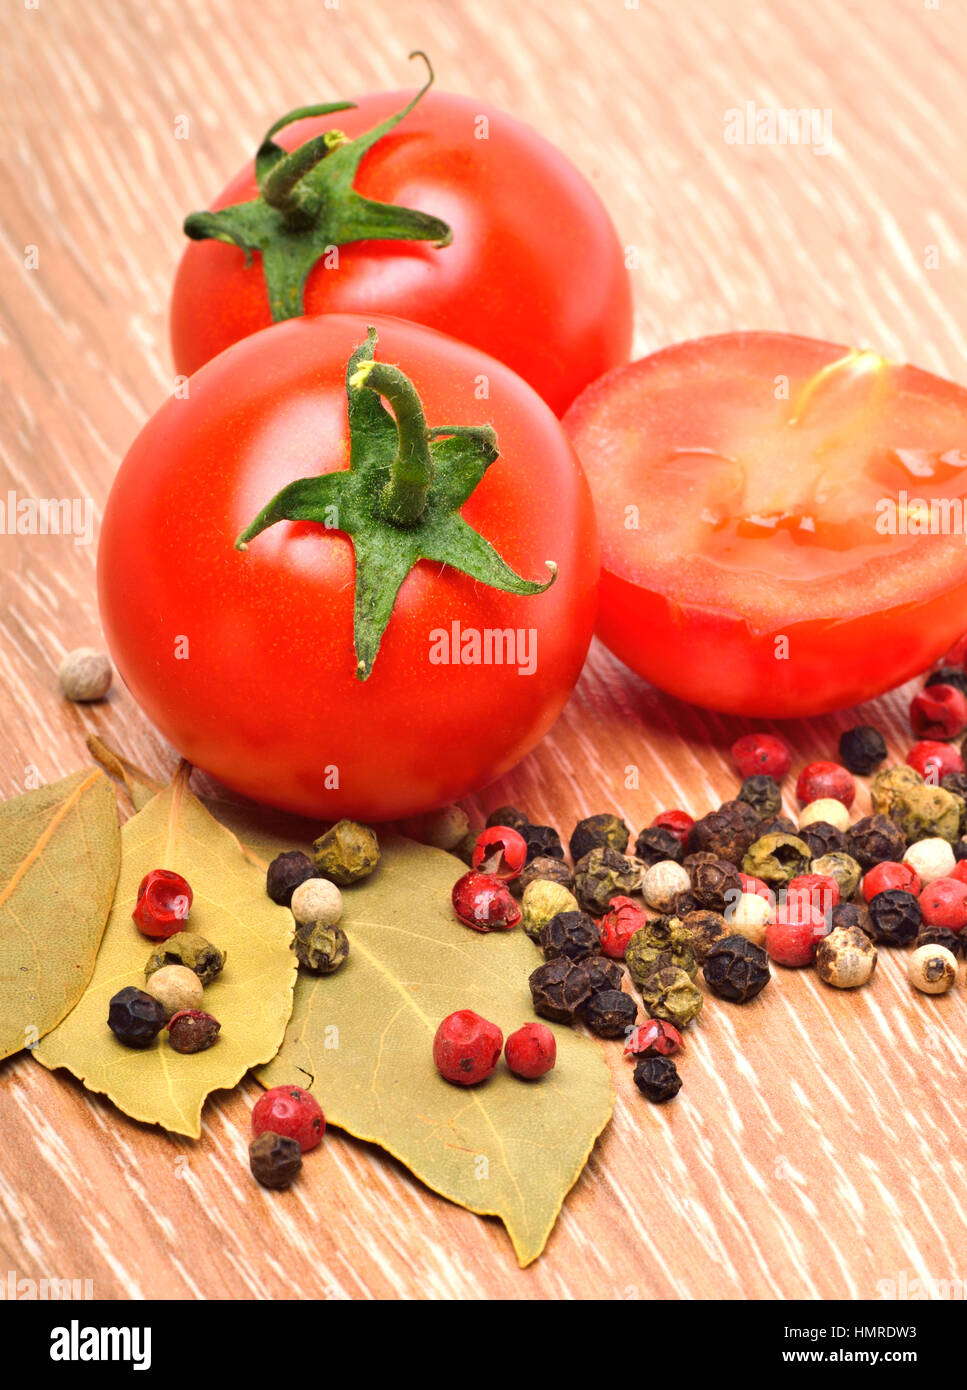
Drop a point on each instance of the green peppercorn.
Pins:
(346, 853)
(656, 844)
(777, 859)
(510, 816)
(823, 838)
(603, 831)
(841, 867)
(321, 948)
(956, 784)
(546, 870)
(762, 794)
(716, 885)
(541, 901)
(604, 874)
(610, 1013)
(190, 949)
(571, 934)
(888, 783)
(657, 1078)
(736, 969)
(873, 840)
(861, 749)
(704, 928)
(559, 989)
(668, 993)
(275, 1159)
(922, 813)
(660, 936)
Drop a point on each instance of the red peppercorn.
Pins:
(957, 656)
(821, 890)
(960, 872)
(939, 711)
(500, 851)
(890, 875)
(466, 1048)
(164, 901)
(820, 780)
(291, 1112)
(483, 901)
(934, 760)
(751, 884)
(619, 925)
(678, 822)
(944, 904)
(654, 1038)
(531, 1051)
(800, 923)
(762, 753)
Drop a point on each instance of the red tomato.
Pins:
(246, 662)
(534, 275)
(739, 482)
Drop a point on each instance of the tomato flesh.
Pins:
(764, 503)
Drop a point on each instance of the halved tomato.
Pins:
(782, 520)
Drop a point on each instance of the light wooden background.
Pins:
(817, 1146)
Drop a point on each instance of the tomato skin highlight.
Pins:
(264, 694)
(522, 219)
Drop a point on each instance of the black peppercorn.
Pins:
(543, 842)
(873, 840)
(955, 782)
(736, 969)
(740, 811)
(602, 875)
(701, 856)
(724, 833)
(657, 843)
(135, 1018)
(762, 794)
(571, 934)
(603, 831)
(960, 848)
(657, 1078)
(948, 675)
(602, 973)
(851, 915)
(559, 989)
(716, 885)
(544, 867)
(823, 838)
(683, 903)
(509, 816)
(940, 936)
(779, 825)
(895, 916)
(610, 1013)
(861, 749)
(285, 874)
(704, 929)
(275, 1159)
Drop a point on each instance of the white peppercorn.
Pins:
(932, 969)
(930, 859)
(176, 988)
(445, 828)
(827, 809)
(662, 883)
(317, 900)
(749, 917)
(846, 958)
(85, 674)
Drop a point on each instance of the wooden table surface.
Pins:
(816, 1149)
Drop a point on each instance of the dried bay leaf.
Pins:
(507, 1148)
(59, 855)
(252, 998)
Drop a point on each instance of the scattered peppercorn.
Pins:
(861, 749)
(889, 875)
(191, 950)
(824, 811)
(164, 901)
(176, 988)
(500, 851)
(657, 1078)
(762, 794)
(823, 838)
(346, 853)
(290, 1111)
(665, 937)
(851, 915)
(722, 834)
(662, 883)
(762, 753)
(825, 781)
(464, 850)
(932, 969)
(134, 1017)
(193, 1030)
(874, 840)
(948, 675)
(508, 815)
(930, 859)
(779, 825)
(654, 1038)
(750, 917)
(317, 901)
(610, 1013)
(275, 1161)
(619, 925)
(716, 885)
(604, 874)
(559, 989)
(541, 842)
(467, 1048)
(777, 858)
(941, 936)
(799, 926)
(571, 934)
(736, 969)
(943, 903)
(704, 928)
(285, 873)
(927, 812)
(541, 901)
(678, 822)
(603, 831)
(444, 828)
(531, 1052)
(933, 760)
(658, 845)
(895, 916)
(321, 949)
(484, 902)
(842, 869)
(888, 783)
(668, 993)
(956, 784)
(545, 867)
(602, 973)
(938, 711)
(846, 958)
(85, 674)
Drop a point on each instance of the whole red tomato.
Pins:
(250, 663)
(534, 273)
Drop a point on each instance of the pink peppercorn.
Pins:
(466, 1048)
(531, 1051)
(801, 921)
(939, 711)
(890, 875)
(655, 1038)
(821, 780)
(678, 822)
(821, 891)
(764, 754)
(944, 904)
(164, 901)
(619, 925)
(483, 901)
(500, 851)
(934, 760)
(960, 872)
(291, 1112)
(751, 884)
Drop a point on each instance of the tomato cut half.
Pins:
(782, 520)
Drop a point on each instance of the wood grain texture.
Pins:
(817, 1146)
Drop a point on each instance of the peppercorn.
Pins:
(683, 904)
(668, 993)
(542, 842)
(464, 850)
(546, 869)
(500, 851)
(321, 949)
(291, 1111)
(779, 825)
(895, 916)
(842, 869)
(716, 885)
(701, 856)
(948, 675)
(799, 926)
(164, 901)
(750, 917)
(762, 794)
(888, 783)
(85, 674)
(873, 840)
(443, 828)
(932, 969)
(467, 1048)
(176, 988)
(571, 934)
(619, 925)
(736, 969)
(602, 973)
(930, 859)
(662, 883)
(657, 1078)
(861, 749)
(960, 848)
(275, 1160)
(193, 1030)
(938, 712)
(825, 781)
(317, 900)
(610, 1013)
(678, 822)
(941, 936)
(667, 937)
(704, 928)
(531, 1052)
(541, 901)
(825, 810)
(658, 845)
(754, 753)
(956, 783)
(346, 853)
(508, 815)
(603, 831)
(134, 1017)
(483, 902)
(926, 812)
(944, 904)
(846, 958)
(890, 875)
(777, 859)
(851, 915)
(604, 874)
(191, 950)
(723, 834)
(559, 988)
(285, 873)
(654, 1038)
(823, 838)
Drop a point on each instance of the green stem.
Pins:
(403, 499)
(280, 187)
